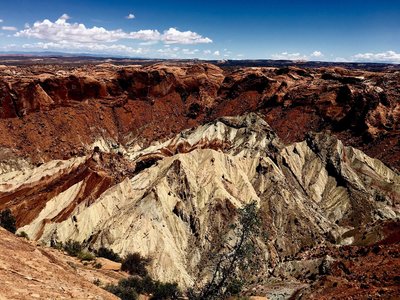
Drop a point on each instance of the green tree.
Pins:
(230, 265)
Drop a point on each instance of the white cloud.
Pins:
(169, 52)
(62, 30)
(65, 17)
(9, 28)
(130, 16)
(207, 52)
(388, 56)
(148, 43)
(87, 47)
(145, 35)
(217, 53)
(174, 36)
(1, 20)
(317, 54)
(297, 56)
(341, 59)
(190, 52)
(289, 56)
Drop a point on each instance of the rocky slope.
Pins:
(29, 271)
(179, 194)
(58, 112)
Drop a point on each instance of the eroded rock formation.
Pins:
(185, 189)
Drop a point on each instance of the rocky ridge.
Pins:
(183, 191)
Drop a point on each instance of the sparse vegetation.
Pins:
(135, 264)
(124, 293)
(97, 282)
(97, 265)
(86, 256)
(130, 287)
(73, 248)
(7, 221)
(23, 234)
(109, 254)
(57, 245)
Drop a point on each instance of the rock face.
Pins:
(50, 113)
(185, 190)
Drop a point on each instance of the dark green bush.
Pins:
(166, 291)
(23, 234)
(56, 245)
(125, 293)
(86, 256)
(109, 254)
(146, 285)
(135, 264)
(7, 220)
(143, 285)
(73, 248)
(234, 287)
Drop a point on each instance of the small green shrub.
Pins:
(86, 256)
(97, 265)
(56, 245)
(140, 285)
(109, 254)
(125, 293)
(23, 234)
(135, 264)
(234, 287)
(7, 220)
(146, 285)
(97, 282)
(166, 291)
(73, 248)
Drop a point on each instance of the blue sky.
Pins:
(300, 30)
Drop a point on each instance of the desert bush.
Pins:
(97, 265)
(23, 234)
(97, 282)
(145, 285)
(125, 293)
(109, 254)
(86, 256)
(135, 264)
(56, 245)
(234, 287)
(166, 291)
(7, 220)
(73, 248)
